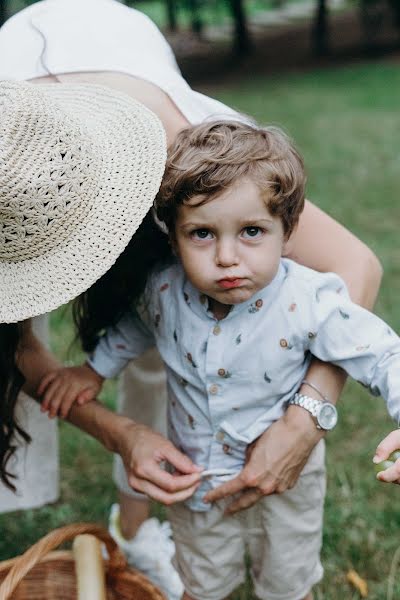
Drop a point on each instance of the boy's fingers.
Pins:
(60, 395)
(54, 408)
(45, 382)
(390, 475)
(66, 404)
(388, 445)
(49, 394)
(85, 396)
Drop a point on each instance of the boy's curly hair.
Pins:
(207, 159)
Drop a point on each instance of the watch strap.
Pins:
(310, 404)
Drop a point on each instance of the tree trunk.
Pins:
(241, 42)
(171, 15)
(3, 12)
(195, 17)
(320, 30)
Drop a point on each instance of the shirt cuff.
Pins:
(106, 366)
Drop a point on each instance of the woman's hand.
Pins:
(275, 460)
(144, 453)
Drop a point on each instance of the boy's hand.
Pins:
(387, 446)
(61, 388)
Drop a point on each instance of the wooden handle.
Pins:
(38, 551)
(89, 568)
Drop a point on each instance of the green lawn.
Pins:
(345, 122)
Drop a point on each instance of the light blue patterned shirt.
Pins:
(229, 380)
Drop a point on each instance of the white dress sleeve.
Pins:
(127, 340)
(351, 337)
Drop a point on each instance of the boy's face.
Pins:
(230, 247)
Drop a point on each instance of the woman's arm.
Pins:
(324, 245)
(142, 450)
(279, 455)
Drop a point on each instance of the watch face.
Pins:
(327, 416)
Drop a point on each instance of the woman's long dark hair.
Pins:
(99, 307)
(11, 382)
(103, 304)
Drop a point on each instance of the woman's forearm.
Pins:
(98, 421)
(326, 246)
(34, 360)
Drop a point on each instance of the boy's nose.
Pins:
(226, 254)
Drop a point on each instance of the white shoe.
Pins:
(150, 551)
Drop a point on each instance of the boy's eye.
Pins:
(201, 234)
(252, 232)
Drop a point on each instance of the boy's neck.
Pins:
(220, 311)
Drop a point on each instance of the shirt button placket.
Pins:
(213, 362)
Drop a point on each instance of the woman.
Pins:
(73, 42)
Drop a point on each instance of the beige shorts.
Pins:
(282, 533)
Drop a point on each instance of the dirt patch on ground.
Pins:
(286, 47)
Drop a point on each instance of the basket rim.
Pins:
(51, 556)
(67, 556)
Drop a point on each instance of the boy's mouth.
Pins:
(230, 282)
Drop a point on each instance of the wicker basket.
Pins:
(44, 574)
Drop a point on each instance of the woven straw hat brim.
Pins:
(133, 146)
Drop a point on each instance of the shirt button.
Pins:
(213, 389)
(219, 436)
(221, 372)
(217, 330)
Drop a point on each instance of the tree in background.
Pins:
(3, 11)
(320, 29)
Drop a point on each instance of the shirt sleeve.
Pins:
(127, 340)
(353, 338)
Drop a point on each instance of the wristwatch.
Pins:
(324, 413)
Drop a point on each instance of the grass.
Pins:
(345, 122)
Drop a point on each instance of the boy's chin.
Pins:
(236, 296)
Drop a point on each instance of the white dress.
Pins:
(52, 37)
(67, 36)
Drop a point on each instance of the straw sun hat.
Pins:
(80, 166)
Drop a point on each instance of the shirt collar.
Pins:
(262, 299)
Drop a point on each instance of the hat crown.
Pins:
(48, 173)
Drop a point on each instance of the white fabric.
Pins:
(229, 380)
(36, 465)
(150, 551)
(67, 36)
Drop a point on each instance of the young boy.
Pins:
(236, 326)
